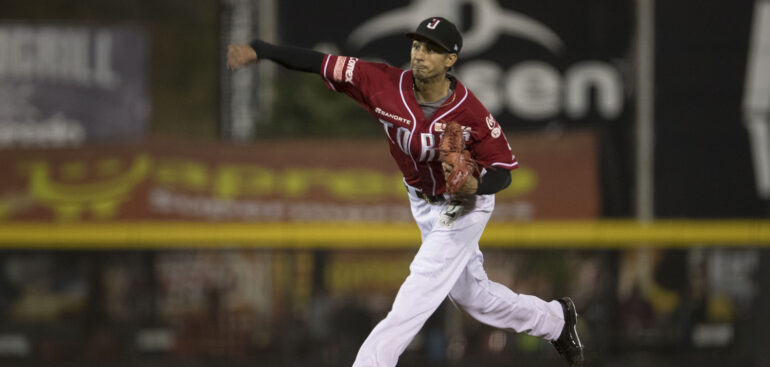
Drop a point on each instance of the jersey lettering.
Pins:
(389, 115)
(427, 147)
(387, 126)
(402, 138)
(349, 70)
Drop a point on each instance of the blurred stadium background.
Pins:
(157, 210)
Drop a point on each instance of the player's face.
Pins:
(429, 61)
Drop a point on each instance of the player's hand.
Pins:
(239, 56)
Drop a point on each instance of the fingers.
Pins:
(230, 64)
(233, 62)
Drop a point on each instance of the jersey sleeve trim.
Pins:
(513, 165)
(324, 74)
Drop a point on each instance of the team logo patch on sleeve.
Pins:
(338, 67)
(491, 122)
(494, 126)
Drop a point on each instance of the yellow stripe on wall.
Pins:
(562, 234)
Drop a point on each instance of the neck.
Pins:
(431, 89)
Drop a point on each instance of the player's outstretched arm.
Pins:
(294, 58)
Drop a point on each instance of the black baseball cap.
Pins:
(441, 32)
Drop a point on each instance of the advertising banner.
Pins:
(534, 64)
(63, 85)
(275, 181)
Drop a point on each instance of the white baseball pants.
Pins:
(449, 263)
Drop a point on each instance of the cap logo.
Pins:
(434, 23)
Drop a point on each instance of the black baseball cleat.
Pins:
(568, 345)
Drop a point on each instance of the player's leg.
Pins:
(496, 305)
(438, 264)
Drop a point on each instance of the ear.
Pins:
(451, 59)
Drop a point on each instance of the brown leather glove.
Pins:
(458, 165)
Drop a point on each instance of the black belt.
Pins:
(431, 199)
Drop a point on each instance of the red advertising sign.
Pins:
(163, 179)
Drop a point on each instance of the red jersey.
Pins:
(387, 93)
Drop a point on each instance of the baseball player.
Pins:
(414, 107)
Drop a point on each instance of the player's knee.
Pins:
(461, 297)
